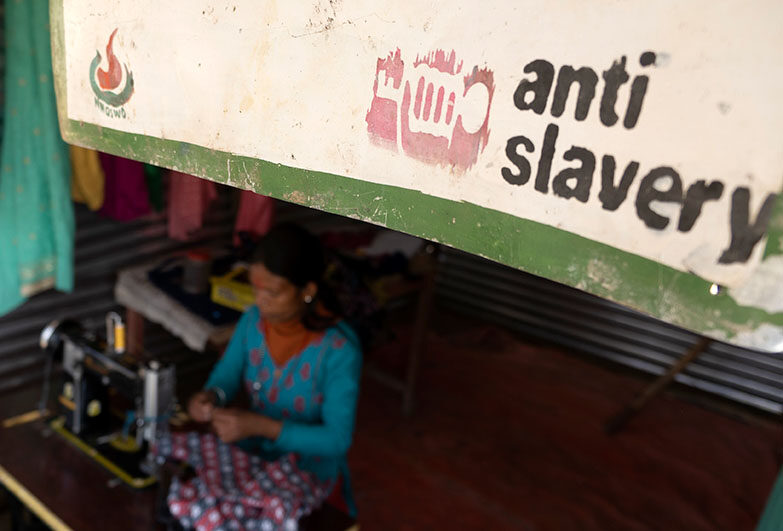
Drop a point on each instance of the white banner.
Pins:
(649, 126)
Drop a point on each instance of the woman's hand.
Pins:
(232, 425)
(201, 406)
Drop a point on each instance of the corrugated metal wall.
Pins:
(103, 246)
(467, 284)
(584, 323)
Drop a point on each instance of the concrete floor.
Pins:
(508, 435)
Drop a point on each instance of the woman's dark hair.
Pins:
(289, 251)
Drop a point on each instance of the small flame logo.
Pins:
(105, 83)
(110, 80)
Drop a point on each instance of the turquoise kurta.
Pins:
(772, 519)
(314, 393)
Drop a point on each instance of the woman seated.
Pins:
(300, 367)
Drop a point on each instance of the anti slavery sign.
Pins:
(650, 127)
(433, 108)
(661, 184)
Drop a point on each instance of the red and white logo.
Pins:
(430, 110)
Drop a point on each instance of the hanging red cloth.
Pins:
(255, 216)
(125, 191)
(189, 199)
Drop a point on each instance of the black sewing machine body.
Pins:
(113, 405)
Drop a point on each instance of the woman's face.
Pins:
(278, 299)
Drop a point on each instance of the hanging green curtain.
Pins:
(772, 519)
(154, 176)
(36, 213)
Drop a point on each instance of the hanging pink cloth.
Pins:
(125, 194)
(189, 199)
(256, 213)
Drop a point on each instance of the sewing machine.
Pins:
(113, 404)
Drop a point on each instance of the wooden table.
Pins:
(68, 490)
(143, 300)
